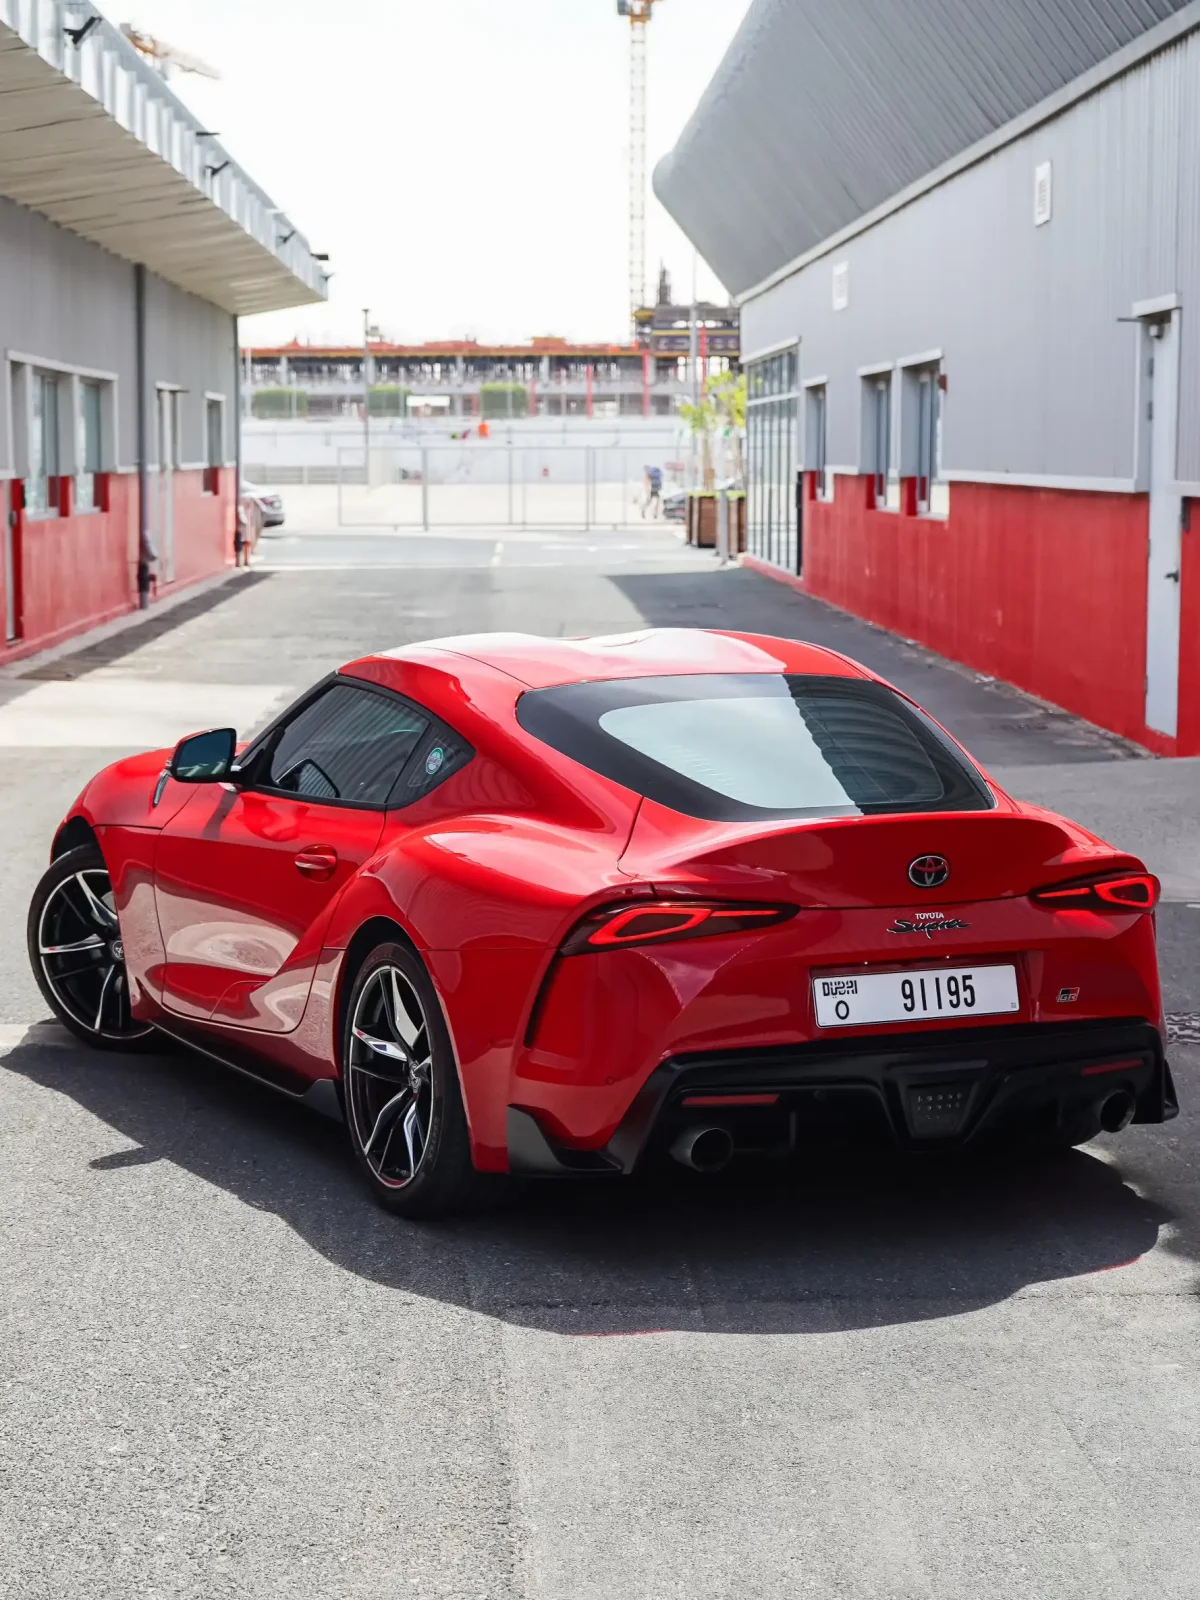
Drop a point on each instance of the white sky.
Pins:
(463, 161)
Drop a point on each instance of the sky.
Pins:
(464, 162)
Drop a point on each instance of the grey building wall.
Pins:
(824, 109)
(1041, 375)
(193, 345)
(65, 300)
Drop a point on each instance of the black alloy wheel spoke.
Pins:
(82, 957)
(389, 1079)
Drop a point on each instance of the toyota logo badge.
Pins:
(929, 872)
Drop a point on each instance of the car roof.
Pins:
(540, 663)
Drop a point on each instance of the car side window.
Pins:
(348, 744)
(440, 754)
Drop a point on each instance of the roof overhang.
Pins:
(92, 138)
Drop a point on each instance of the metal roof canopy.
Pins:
(93, 139)
(823, 110)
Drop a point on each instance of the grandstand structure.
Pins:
(676, 348)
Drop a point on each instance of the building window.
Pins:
(816, 453)
(772, 420)
(41, 487)
(929, 438)
(214, 424)
(91, 406)
(878, 439)
(921, 437)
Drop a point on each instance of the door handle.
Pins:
(318, 862)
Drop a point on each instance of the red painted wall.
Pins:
(1043, 588)
(77, 571)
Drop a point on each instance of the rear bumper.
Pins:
(940, 1092)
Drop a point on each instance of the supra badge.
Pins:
(928, 872)
(928, 923)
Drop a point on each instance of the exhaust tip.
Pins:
(1117, 1111)
(704, 1149)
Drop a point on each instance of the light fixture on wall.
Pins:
(84, 30)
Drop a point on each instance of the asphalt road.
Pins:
(224, 1373)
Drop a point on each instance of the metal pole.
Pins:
(237, 430)
(694, 329)
(367, 396)
(723, 526)
(639, 17)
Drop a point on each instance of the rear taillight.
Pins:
(656, 922)
(1114, 891)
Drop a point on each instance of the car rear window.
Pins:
(733, 748)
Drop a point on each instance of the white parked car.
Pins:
(268, 502)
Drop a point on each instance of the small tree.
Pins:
(727, 392)
(702, 419)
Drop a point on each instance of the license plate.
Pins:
(915, 996)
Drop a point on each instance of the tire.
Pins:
(400, 1090)
(75, 950)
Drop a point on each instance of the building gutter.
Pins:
(146, 551)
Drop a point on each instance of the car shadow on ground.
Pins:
(836, 1243)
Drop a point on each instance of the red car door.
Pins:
(246, 876)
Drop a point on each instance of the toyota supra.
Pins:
(507, 904)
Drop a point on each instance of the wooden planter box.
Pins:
(702, 521)
(702, 513)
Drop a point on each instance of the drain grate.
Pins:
(1184, 1027)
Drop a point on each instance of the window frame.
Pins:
(27, 373)
(87, 501)
(42, 383)
(214, 405)
(881, 437)
(255, 761)
(928, 429)
(773, 418)
(923, 430)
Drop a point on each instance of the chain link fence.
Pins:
(501, 485)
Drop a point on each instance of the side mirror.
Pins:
(205, 757)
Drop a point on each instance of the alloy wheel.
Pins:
(82, 957)
(389, 1085)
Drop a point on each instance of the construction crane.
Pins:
(639, 13)
(164, 58)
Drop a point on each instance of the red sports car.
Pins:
(512, 904)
